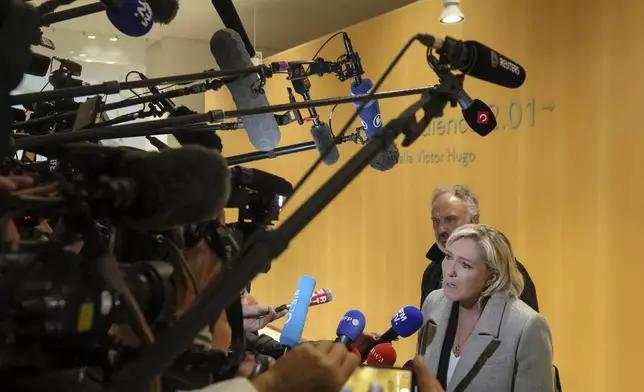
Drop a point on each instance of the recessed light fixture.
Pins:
(82, 55)
(110, 62)
(91, 36)
(451, 12)
(114, 39)
(89, 61)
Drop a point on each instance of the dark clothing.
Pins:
(434, 274)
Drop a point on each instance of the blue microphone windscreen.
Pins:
(407, 321)
(408, 364)
(134, 20)
(370, 114)
(296, 317)
(352, 325)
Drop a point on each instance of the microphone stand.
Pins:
(156, 127)
(265, 246)
(259, 155)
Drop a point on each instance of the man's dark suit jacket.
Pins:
(434, 273)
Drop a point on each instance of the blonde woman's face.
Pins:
(465, 275)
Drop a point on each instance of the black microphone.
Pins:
(260, 181)
(477, 114)
(230, 17)
(149, 191)
(477, 60)
(324, 139)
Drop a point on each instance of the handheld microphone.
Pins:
(296, 317)
(150, 191)
(404, 323)
(382, 355)
(350, 327)
(477, 60)
(319, 297)
(228, 50)
(372, 123)
(355, 352)
(409, 364)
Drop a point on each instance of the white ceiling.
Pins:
(272, 25)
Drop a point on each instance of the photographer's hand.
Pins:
(321, 367)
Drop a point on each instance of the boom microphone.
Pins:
(404, 323)
(323, 139)
(372, 123)
(350, 327)
(228, 50)
(477, 60)
(382, 355)
(296, 317)
(230, 17)
(150, 191)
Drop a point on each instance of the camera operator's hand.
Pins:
(320, 367)
(426, 381)
(21, 185)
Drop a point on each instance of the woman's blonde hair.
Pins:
(498, 258)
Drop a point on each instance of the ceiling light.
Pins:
(110, 62)
(114, 39)
(91, 36)
(82, 55)
(89, 61)
(451, 12)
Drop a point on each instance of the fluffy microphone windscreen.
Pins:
(174, 187)
(164, 10)
(383, 354)
(386, 159)
(229, 52)
(323, 139)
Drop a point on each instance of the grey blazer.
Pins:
(509, 350)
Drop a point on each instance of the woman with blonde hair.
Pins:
(478, 336)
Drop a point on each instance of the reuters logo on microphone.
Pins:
(494, 59)
(483, 117)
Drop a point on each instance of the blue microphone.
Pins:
(370, 113)
(404, 323)
(409, 364)
(134, 19)
(372, 123)
(350, 327)
(296, 316)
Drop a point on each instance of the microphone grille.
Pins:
(386, 159)
(164, 11)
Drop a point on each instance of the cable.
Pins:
(322, 47)
(331, 117)
(184, 264)
(132, 90)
